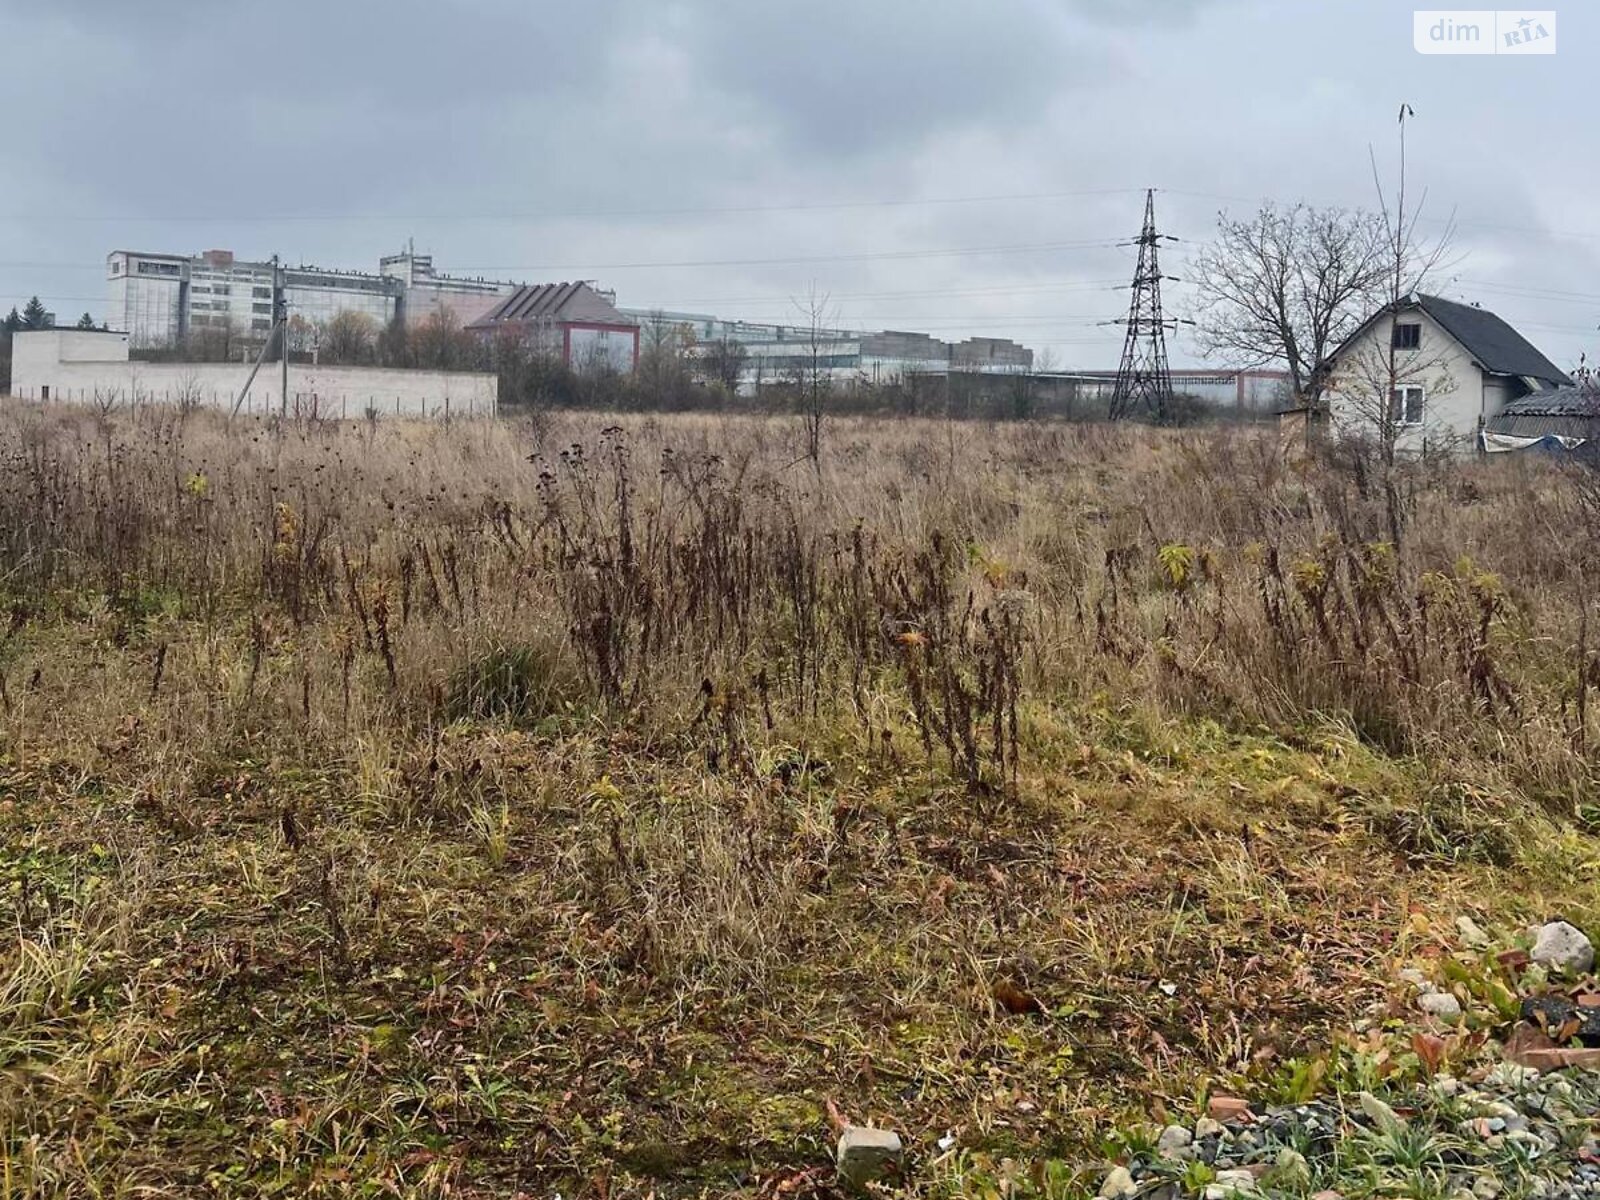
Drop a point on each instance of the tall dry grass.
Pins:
(929, 581)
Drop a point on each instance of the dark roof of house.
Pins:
(1497, 347)
(1493, 344)
(553, 302)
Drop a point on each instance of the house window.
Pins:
(1405, 405)
(1407, 335)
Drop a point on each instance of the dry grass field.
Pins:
(583, 805)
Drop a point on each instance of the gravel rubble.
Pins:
(1511, 1133)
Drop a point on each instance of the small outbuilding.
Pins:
(1559, 420)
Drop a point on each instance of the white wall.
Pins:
(93, 368)
(604, 347)
(424, 301)
(1454, 392)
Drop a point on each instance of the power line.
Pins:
(577, 214)
(1079, 285)
(1020, 248)
(870, 256)
(1547, 294)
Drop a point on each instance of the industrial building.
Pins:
(776, 352)
(162, 300)
(425, 294)
(1253, 391)
(574, 322)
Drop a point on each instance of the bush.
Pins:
(520, 682)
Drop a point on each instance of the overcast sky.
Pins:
(958, 168)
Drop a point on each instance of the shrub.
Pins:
(521, 682)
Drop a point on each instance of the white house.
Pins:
(1455, 366)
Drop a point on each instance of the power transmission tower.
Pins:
(1144, 379)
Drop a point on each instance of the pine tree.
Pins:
(33, 314)
(86, 322)
(13, 321)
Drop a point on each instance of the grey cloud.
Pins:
(438, 115)
(837, 77)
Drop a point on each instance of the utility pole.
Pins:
(1143, 378)
(280, 313)
(279, 330)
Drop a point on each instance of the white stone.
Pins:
(866, 1154)
(1379, 1113)
(1118, 1185)
(1206, 1127)
(1472, 935)
(1174, 1142)
(1231, 1183)
(1562, 947)
(1291, 1171)
(1415, 978)
(1441, 1005)
(1509, 1075)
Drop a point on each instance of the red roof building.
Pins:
(569, 320)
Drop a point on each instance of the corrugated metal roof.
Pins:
(1575, 401)
(1564, 412)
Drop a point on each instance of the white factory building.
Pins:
(775, 353)
(162, 300)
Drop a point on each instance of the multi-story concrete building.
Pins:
(149, 297)
(425, 293)
(162, 300)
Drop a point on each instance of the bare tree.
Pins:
(663, 372)
(347, 338)
(722, 362)
(814, 379)
(1288, 286)
(1385, 381)
(188, 395)
(440, 344)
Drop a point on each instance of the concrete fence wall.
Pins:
(67, 366)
